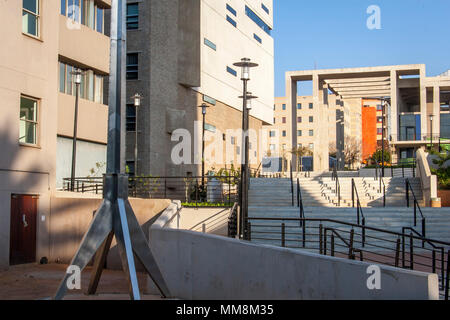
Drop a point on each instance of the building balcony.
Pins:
(83, 45)
(92, 119)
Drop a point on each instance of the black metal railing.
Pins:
(354, 241)
(292, 185)
(360, 218)
(335, 177)
(403, 167)
(84, 185)
(217, 189)
(416, 207)
(300, 201)
(382, 187)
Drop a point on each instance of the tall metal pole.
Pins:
(74, 141)
(136, 144)
(244, 189)
(203, 149)
(431, 120)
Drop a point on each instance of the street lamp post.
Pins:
(245, 64)
(204, 107)
(137, 103)
(382, 137)
(77, 74)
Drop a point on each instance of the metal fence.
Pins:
(216, 189)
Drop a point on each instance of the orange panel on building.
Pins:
(369, 131)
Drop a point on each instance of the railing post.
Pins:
(249, 231)
(447, 281)
(424, 228)
(304, 234)
(407, 193)
(403, 248)
(283, 235)
(411, 250)
(433, 264)
(397, 253)
(384, 196)
(325, 242)
(320, 239)
(332, 244)
(415, 213)
(363, 232)
(350, 249)
(442, 267)
(353, 193)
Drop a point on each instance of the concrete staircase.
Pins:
(320, 191)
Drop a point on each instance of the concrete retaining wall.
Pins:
(201, 266)
(71, 216)
(429, 181)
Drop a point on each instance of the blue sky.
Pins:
(333, 34)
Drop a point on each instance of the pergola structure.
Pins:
(352, 83)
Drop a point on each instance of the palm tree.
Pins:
(299, 153)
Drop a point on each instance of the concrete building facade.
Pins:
(417, 110)
(184, 60)
(42, 41)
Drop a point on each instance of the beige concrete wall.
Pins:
(92, 119)
(71, 217)
(76, 43)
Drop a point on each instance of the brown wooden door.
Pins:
(23, 229)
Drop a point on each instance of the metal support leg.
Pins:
(99, 263)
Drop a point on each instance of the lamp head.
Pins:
(137, 98)
(77, 74)
(245, 66)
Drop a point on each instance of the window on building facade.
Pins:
(299, 133)
(299, 119)
(257, 38)
(311, 133)
(238, 150)
(231, 21)
(28, 121)
(274, 120)
(233, 140)
(131, 117)
(272, 134)
(232, 71)
(31, 17)
(284, 133)
(265, 8)
(284, 106)
(91, 86)
(230, 9)
(379, 131)
(299, 145)
(311, 119)
(311, 106)
(311, 146)
(253, 16)
(130, 168)
(132, 66)
(210, 44)
(132, 16)
(299, 106)
(284, 119)
(86, 12)
(380, 119)
(272, 147)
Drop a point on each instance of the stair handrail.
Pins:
(416, 206)
(382, 186)
(300, 202)
(292, 184)
(359, 211)
(335, 178)
(349, 243)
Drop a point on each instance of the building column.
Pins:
(436, 111)
(291, 96)
(394, 116)
(424, 119)
(321, 144)
(340, 123)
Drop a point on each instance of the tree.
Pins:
(352, 150)
(443, 170)
(377, 156)
(299, 153)
(332, 149)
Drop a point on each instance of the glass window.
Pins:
(272, 134)
(231, 21)
(311, 146)
(284, 106)
(252, 15)
(311, 133)
(131, 118)
(299, 119)
(132, 66)
(63, 7)
(299, 133)
(284, 133)
(265, 8)
(311, 119)
(30, 17)
(132, 16)
(69, 82)
(257, 38)
(130, 168)
(272, 147)
(28, 120)
(274, 120)
(445, 125)
(311, 106)
(98, 89)
(299, 106)
(210, 44)
(232, 71)
(233, 12)
(284, 119)
(62, 77)
(238, 150)
(100, 20)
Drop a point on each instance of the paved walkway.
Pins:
(34, 282)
